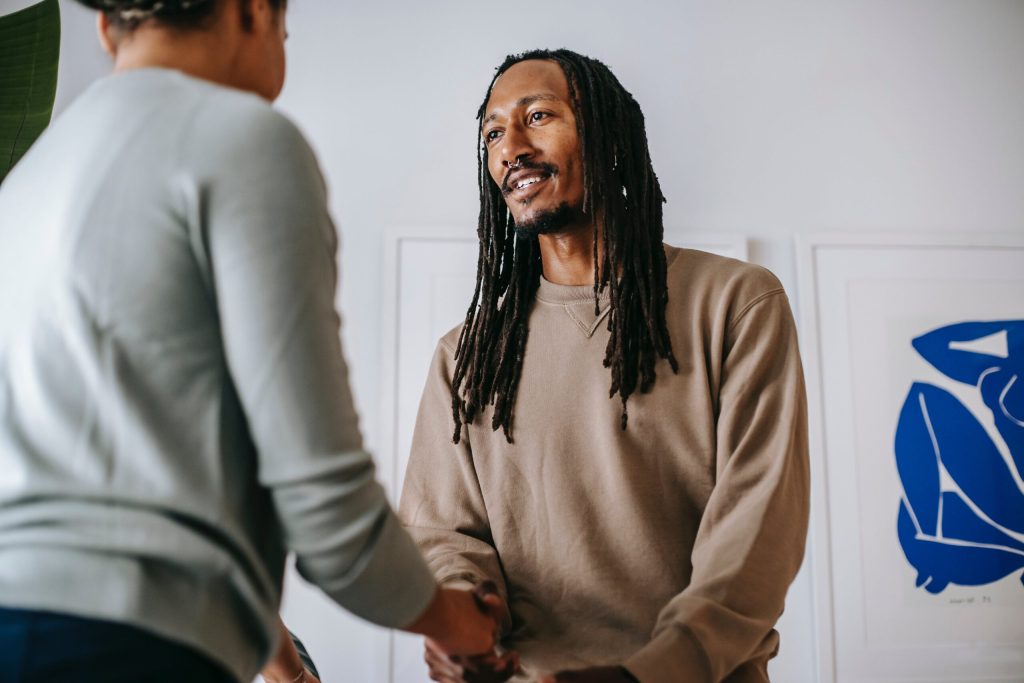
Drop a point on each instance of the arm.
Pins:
(750, 541)
(271, 254)
(271, 251)
(442, 505)
(291, 663)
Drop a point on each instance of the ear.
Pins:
(103, 31)
(245, 14)
(256, 15)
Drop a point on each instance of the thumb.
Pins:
(487, 599)
(493, 600)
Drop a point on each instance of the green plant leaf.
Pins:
(29, 53)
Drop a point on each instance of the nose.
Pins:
(515, 146)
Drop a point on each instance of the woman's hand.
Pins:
(488, 668)
(286, 665)
(460, 623)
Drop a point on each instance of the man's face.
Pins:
(533, 149)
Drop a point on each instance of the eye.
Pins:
(492, 135)
(536, 116)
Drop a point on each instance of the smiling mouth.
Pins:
(524, 183)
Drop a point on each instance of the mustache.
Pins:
(549, 169)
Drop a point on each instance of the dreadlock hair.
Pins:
(623, 198)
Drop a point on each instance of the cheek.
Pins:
(575, 177)
(572, 162)
(495, 170)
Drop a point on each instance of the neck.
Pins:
(567, 256)
(198, 53)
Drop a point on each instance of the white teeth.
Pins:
(529, 181)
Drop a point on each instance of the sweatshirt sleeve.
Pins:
(442, 505)
(271, 248)
(750, 541)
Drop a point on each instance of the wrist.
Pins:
(434, 620)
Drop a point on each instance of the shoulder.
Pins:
(231, 126)
(449, 342)
(721, 287)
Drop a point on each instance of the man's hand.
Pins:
(597, 674)
(488, 668)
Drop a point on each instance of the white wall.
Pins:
(764, 118)
(769, 119)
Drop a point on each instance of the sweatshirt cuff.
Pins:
(395, 587)
(674, 655)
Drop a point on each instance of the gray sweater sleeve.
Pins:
(270, 246)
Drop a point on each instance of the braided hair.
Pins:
(623, 198)
(127, 15)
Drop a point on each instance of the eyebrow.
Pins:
(522, 102)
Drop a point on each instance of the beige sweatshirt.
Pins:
(668, 547)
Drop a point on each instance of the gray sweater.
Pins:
(175, 412)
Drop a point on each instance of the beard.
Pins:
(548, 221)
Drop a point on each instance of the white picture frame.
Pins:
(863, 298)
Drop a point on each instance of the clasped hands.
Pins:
(492, 667)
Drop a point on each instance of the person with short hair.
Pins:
(616, 437)
(175, 414)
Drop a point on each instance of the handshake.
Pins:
(466, 652)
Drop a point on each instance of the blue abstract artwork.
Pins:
(961, 518)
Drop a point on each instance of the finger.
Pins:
(439, 673)
(432, 645)
(492, 599)
(487, 599)
(441, 678)
(442, 665)
(482, 603)
(476, 663)
(439, 651)
(512, 660)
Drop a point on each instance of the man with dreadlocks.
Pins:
(615, 439)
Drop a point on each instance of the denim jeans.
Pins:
(59, 648)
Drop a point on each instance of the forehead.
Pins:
(530, 78)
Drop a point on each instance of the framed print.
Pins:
(914, 352)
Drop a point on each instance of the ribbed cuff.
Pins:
(674, 655)
(395, 587)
